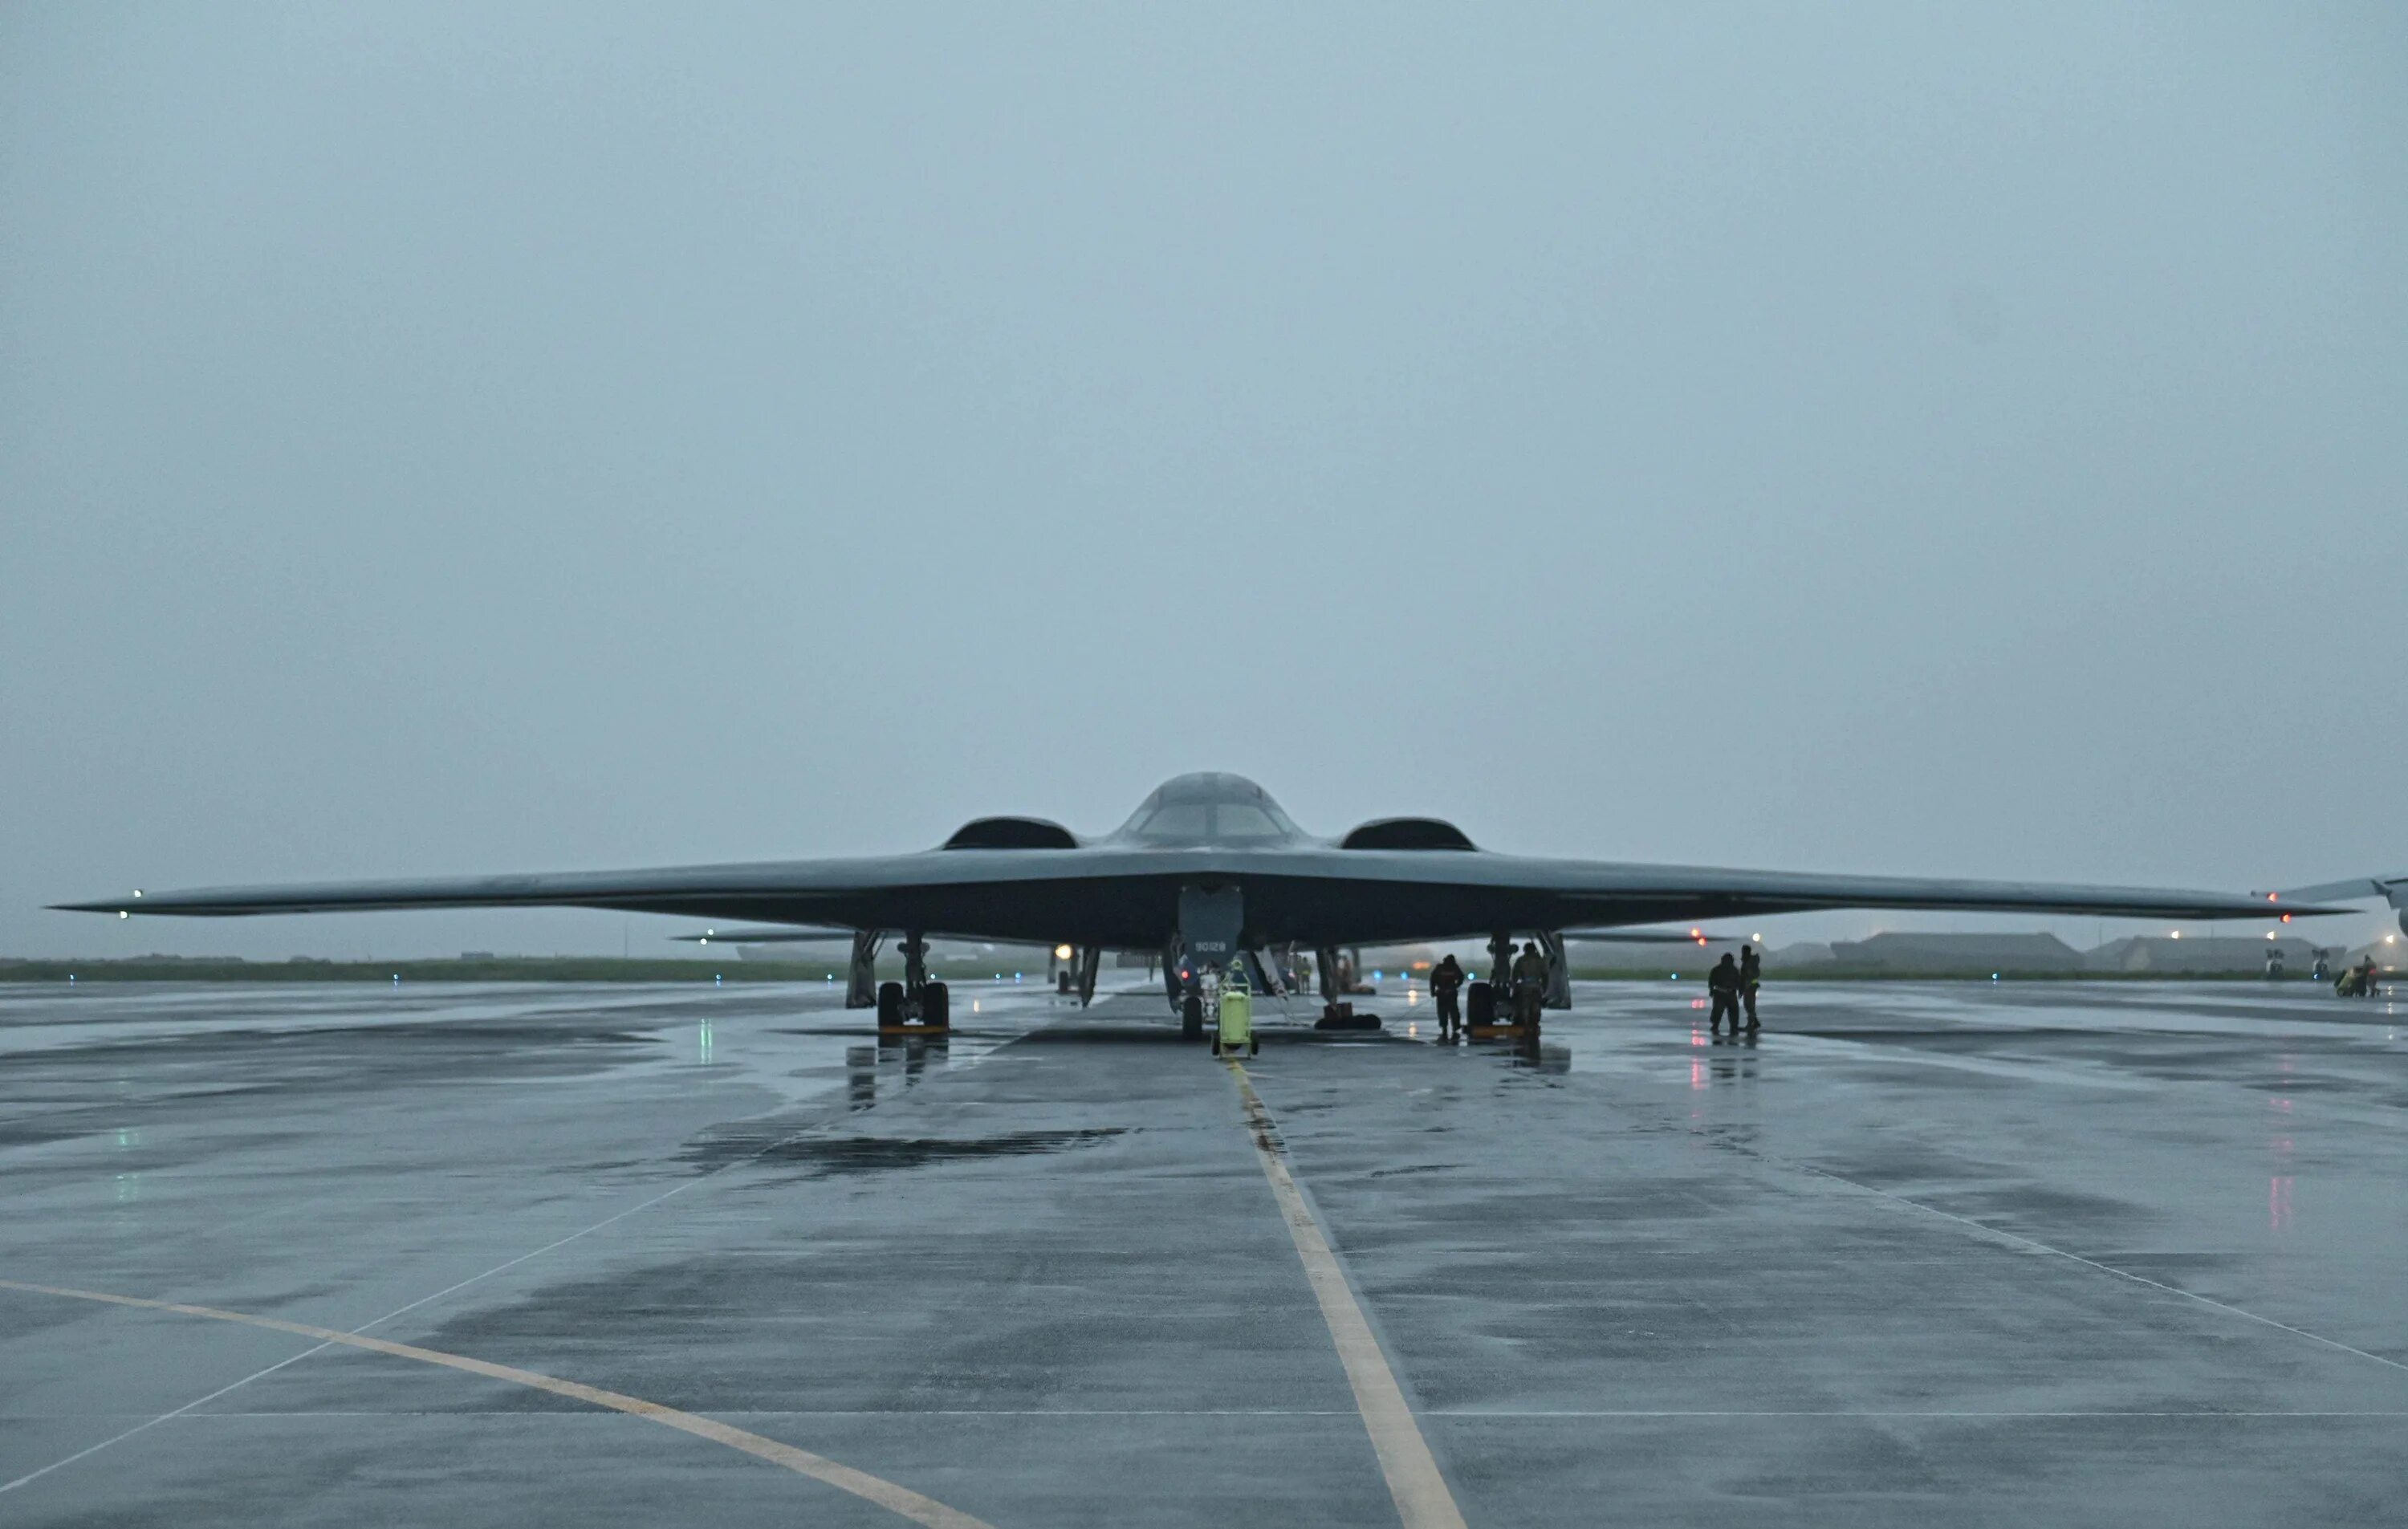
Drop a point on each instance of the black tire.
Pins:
(936, 1006)
(890, 1005)
(1062, 983)
(1253, 1046)
(1191, 1017)
(1479, 1004)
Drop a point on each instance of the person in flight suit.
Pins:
(1529, 984)
(1446, 984)
(1722, 986)
(1750, 976)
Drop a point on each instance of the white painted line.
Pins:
(1422, 1500)
(401, 1310)
(898, 1499)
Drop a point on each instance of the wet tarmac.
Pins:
(2111, 1254)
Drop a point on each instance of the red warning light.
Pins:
(2287, 917)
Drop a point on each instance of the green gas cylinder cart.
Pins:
(1236, 1015)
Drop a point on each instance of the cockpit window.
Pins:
(1178, 821)
(1243, 820)
(1210, 809)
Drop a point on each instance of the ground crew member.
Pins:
(1722, 986)
(1750, 976)
(1446, 983)
(1529, 984)
(2358, 981)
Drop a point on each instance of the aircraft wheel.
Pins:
(1062, 983)
(890, 1005)
(1191, 1017)
(936, 1006)
(1479, 1004)
(1253, 1046)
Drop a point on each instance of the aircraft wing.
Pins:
(1125, 897)
(2391, 888)
(2388, 887)
(1727, 890)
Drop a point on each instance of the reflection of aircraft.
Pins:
(1067, 968)
(1210, 872)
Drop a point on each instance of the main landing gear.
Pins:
(1502, 1008)
(915, 1006)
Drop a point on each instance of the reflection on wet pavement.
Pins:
(2106, 1253)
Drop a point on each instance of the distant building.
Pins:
(2217, 955)
(2390, 954)
(1939, 954)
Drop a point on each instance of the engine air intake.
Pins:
(1011, 833)
(1406, 833)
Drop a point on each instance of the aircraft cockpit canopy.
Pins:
(1210, 809)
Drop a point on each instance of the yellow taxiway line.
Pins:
(898, 1499)
(1422, 1500)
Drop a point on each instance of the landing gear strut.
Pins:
(915, 998)
(1521, 1001)
(1212, 922)
(861, 976)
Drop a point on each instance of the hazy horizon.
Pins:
(459, 439)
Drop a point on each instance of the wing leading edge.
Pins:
(1127, 897)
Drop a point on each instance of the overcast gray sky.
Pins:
(445, 438)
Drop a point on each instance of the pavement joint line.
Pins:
(1715, 1138)
(263, 1373)
(2034, 1245)
(1464, 1414)
(1414, 1481)
(898, 1499)
(766, 1412)
(449, 1290)
(2201, 1414)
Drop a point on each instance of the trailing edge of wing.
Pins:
(2353, 890)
